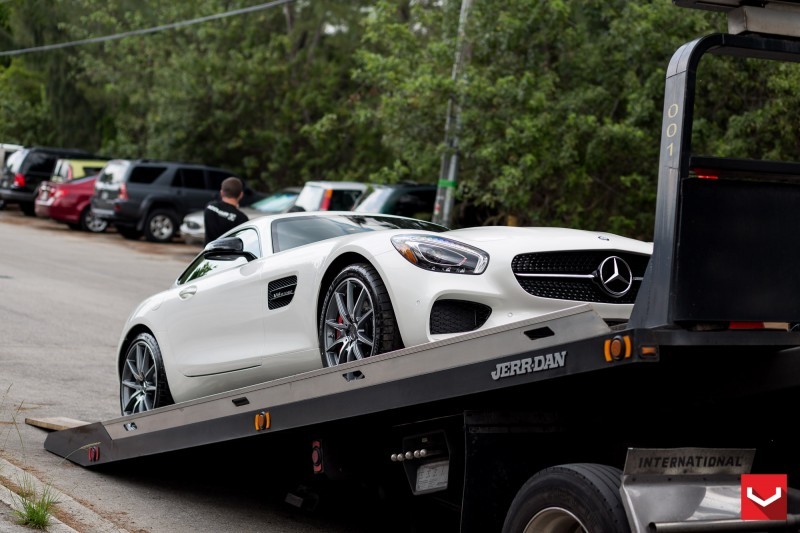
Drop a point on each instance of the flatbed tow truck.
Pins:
(563, 422)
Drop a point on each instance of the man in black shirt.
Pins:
(222, 215)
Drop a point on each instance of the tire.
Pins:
(160, 225)
(349, 332)
(569, 498)
(132, 234)
(143, 382)
(91, 223)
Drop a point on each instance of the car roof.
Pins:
(337, 184)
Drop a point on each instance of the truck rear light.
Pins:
(123, 192)
(19, 179)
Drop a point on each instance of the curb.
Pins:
(78, 513)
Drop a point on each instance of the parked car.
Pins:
(67, 170)
(6, 149)
(27, 168)
(193, 228)
(150, 198)
(289, 293)
(70, 203)
(329, 195)
(405, 199)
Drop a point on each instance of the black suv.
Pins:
(150, 198)
(27, 168)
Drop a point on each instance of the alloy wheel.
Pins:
(139, 379)
(349, 332)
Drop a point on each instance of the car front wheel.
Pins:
(143, 381)
(357, 319)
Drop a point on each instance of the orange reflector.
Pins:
(617, 348)
(262, 421)
(649, 351)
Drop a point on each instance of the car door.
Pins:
(190, 188)
(212, 321)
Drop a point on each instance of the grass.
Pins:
(34, 508)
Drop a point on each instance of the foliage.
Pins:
(559, 102)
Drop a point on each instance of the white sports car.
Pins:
(284, 294)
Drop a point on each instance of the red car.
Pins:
(70, 202)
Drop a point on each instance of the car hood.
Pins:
(548, 238)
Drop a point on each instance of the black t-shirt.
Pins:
(219, 217)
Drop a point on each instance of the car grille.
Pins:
(457, 316)
(577, 275)
(281, 292)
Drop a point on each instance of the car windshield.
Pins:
(276, 203)
(292, 232)
(374, 201)
(14, 161)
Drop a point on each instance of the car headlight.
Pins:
(192, 224)
(438, 254)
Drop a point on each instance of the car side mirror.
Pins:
(226, 249)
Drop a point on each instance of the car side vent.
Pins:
(457, 316)
(281, 292)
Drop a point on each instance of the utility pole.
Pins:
(445, 194)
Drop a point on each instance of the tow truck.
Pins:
(564, 422)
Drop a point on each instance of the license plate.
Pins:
(104, 195)
(432, 476)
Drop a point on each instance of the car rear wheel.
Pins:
(357, 319)
(143, 382)
(91, 223)
(161, 225)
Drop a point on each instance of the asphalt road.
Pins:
(64, 297)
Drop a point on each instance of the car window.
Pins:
(288, 233)
(415, 204)
(250, 240)
(113, 172)
(275, 203)
(189, 178)
(374, 202)
(343, 200)
(61, 172)
(145, 174)
(201, 266)
(310, 198)
(215, 179)
(14, 161)
(40, 163)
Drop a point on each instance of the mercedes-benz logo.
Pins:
(615, 276)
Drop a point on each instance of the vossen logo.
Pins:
(530, 364)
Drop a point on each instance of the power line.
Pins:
(145, 31)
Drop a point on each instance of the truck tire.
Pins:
(569, 498)
(361, 327)
(160, 225)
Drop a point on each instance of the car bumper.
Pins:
(11, 196)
